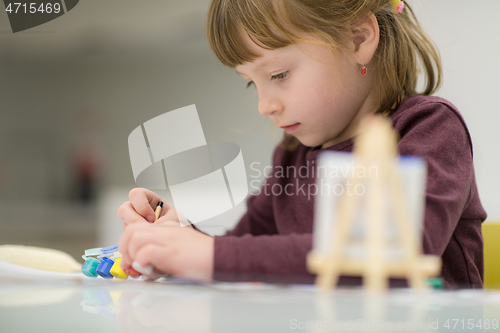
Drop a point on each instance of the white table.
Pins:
(98, 305)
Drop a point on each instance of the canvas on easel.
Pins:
(369, 213)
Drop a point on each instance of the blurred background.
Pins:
(72, 90)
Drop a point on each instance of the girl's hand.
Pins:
(182, 252)
(141, 209)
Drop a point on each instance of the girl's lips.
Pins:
(292, 128)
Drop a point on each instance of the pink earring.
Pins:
(363, 69)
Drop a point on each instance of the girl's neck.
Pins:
(368, 108)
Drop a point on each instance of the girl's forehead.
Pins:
(262, 62)
(253, 45)
(269, 57)
(256, 47)
(294, 55)
(266, 57)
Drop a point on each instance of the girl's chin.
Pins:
(308, 143)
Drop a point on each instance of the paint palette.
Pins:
(103, 262)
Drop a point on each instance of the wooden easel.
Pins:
(375, 146)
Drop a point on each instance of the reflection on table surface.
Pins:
(178, 306)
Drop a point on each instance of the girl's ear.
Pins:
(365, 35)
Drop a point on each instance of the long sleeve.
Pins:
(440, 137)
(242, 259)
(258, 220)
(453, 212)
(255, 250)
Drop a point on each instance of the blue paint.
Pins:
(104, 267)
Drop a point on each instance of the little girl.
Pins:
(320, 67)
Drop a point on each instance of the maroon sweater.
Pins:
(271, 241)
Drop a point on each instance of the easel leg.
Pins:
(408, 239)
(329, 275)
(376, 275)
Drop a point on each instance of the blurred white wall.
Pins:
(466, 33)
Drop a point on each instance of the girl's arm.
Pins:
(271, 258)
(438, 133)
(453, 211)
(259, 217)
(258, 220)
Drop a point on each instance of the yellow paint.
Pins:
(117, 271)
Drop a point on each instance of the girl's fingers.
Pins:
(152, 235)
(128, 214)
(152, 255)
(123, 248)
(142, 201)
(172, 214)
(145, 201)
(135, 237)
(165, 222)
(132, 272)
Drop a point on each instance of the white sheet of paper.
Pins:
(16, 271)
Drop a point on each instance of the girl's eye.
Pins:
(280, 76)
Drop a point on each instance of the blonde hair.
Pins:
(403, 45)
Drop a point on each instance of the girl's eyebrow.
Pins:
(266, 63)
(263, 64)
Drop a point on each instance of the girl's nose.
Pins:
(268, 105)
